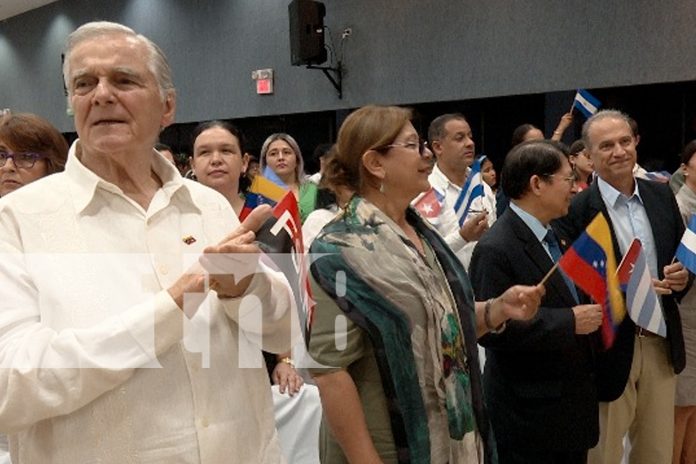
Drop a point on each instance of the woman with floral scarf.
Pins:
(395, 323)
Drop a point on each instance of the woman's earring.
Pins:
(381, 187)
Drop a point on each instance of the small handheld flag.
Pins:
(261, 192)
(591, 264)
(686, 251)
(641, 300)
(473, 189)
(586, 103)
(429, 204)
(281, 239)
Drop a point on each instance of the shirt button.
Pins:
(204, 422)
(163, 269)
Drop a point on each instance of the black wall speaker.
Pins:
(307, 32)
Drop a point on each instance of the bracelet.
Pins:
(287, 360)
(487, 319)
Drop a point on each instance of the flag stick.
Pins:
(548, 274)
(572, 105)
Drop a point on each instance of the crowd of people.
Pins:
(140, 321)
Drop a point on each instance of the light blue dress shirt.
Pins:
(629, 220)
(540, 230)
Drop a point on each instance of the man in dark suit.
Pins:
(636, 376)
(538, 378)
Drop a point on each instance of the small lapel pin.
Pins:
(189, 239)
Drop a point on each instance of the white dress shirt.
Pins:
(97, 362)
(447, 223)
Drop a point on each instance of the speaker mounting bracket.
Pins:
(335, 75)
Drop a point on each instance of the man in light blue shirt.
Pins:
(637, 374)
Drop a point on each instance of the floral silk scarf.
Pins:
(365, 262)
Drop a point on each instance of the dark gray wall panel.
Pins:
(400, 51)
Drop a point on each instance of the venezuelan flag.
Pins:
(261, 192)
(591, 264)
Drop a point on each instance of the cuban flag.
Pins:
(642, 302)
(686, 251)
(591, 264)
(429, 205)
(586, 103)
(473, 189)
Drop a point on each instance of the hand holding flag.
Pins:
(591, 264)
(473, 189)
(641, 299)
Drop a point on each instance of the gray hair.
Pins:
(157, 61)
(599, 116)
(287, 138)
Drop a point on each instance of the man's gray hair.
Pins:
(157, 61)
(599, 116)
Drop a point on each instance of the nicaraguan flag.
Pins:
(473, 189)
(586, 103)
(686, 251)
(642, 302)
(591, 264)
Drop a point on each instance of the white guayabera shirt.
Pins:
(97, 362)
(448, 224)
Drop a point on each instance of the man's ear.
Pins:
(535, 185)
(435, 147)
(373, 163)
(169, 109)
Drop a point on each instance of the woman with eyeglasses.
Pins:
(281, 155)
(30, 148)
(395, 323)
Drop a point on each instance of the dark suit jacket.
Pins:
(614, 365)
(538, 379)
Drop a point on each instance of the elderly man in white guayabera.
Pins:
(132, 298)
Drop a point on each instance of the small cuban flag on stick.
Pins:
(429, 205)
(642, 302)
(686, 251)
(473, 189)
(586, 103)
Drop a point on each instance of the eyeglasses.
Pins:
(572, 179)
(419, 146)
(24, 160)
